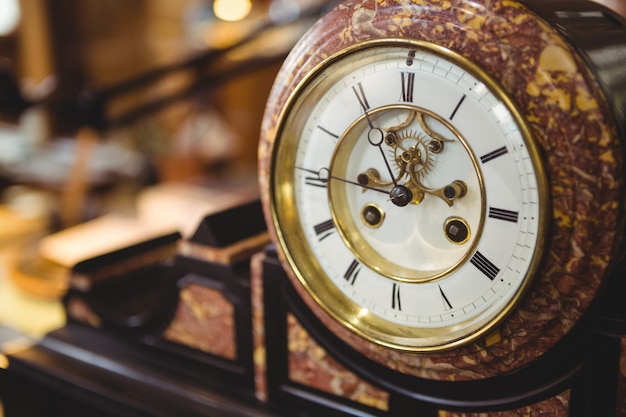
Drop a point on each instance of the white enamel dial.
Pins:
(408, 195)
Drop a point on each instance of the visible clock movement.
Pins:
(412, 194)
(433, 172)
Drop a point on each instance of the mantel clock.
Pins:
(444, 179)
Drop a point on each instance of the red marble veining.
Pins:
(571, 120)
(312, 366)
(204, 320)
(557, 406)
(258, 326)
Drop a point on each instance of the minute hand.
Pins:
(375, 135)
(323, 175)
(369, 187)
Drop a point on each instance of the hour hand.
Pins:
(400, 194)
(375, 134)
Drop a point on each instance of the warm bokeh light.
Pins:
(9, 16)
(231, 10)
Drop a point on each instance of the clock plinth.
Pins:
(297, 364)
(301, 361)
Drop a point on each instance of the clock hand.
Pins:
(375, 135)
(448, 193)
(403, 194)
(400, 195)
(361, 100)
(323, 176)
(369, 187)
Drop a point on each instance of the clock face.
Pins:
(408, 195)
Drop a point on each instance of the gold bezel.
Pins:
(307, 269)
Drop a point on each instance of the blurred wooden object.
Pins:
(36, 61)
(77, 186)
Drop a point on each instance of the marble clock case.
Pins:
(560, 62)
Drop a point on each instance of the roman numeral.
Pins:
(320, 178)
(458, 105)
(352, 272)
(328, 132)
(315, 182)
(395, 297)
(324, 229)
(493, 155)
(501, 214)
(484, 265)
(446, 302)
(360, 95)
(408, 83)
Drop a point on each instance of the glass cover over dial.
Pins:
(408, 194)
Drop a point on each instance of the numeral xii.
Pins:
(408, 86)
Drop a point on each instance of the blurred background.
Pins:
(120, 119)
(174, 89)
